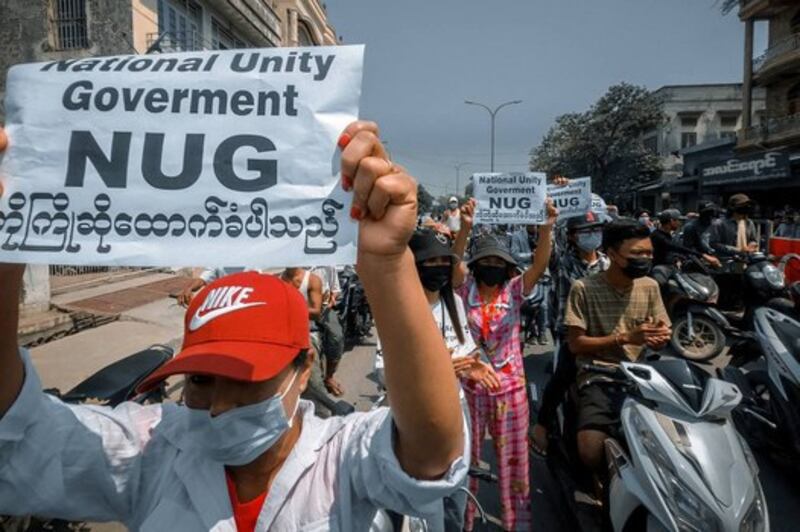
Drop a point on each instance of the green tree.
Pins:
(424, 199)
(604, 142)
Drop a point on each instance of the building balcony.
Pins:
(762, 8)
(254, 19)
(771, 133)
(783, 57)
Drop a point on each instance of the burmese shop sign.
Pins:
(224, 158)
(760, 167)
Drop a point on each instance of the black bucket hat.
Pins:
(491, 246)
(589, 220)
(429, 244)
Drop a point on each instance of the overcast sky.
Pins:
(425, 57)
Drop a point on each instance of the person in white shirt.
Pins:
(452, 216)
(244, 437)
(206, 276)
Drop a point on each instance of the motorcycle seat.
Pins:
(117, 383)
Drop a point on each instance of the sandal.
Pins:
(333, 387)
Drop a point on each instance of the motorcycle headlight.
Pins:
(774, 277)
(690, 513)
(756, 518)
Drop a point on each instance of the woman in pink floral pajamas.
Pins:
(493, 298)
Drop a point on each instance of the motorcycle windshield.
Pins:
(686, 378)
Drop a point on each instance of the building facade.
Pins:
(695, 115)
(46, 30)
(777, 72)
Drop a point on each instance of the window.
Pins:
(688, 139)
(728, 121)
(793, 100)
(729, 135)
(224, 39)
(795, 23)
(68, 24)
(304, 35)
(181, 22)
(689, 121)
(651, 144)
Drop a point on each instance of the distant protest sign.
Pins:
(573, 199)
(219, 158)
(513, 198)
(599, 206)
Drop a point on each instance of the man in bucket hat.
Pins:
(244, 452)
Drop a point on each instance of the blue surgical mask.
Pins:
(588, 242)
(239, 436)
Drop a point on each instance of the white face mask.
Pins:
(239, 436)
(588, 242)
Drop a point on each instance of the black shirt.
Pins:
(665, 250)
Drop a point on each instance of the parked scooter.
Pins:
(679, 464)
(750, 281)
(353, 309)
(769, 414)
(690, 295)
(110, 386)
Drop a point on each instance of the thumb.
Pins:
(3, 139)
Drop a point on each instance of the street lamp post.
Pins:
(493, 114)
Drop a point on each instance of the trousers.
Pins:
(505, 415)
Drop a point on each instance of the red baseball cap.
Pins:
(246, 326)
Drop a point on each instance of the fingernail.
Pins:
(347, 182)
(356, 213)
(344, 140)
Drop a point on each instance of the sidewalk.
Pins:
(147, 316)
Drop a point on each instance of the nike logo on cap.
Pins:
(221, 301)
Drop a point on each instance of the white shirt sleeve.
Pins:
(376, 475)
(74, 462)
(209, 274)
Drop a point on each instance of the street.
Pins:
(157, 319)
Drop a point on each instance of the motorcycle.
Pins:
(690, 295)
(532, 306)
(750, 281)
(353, 309)
(679, 464)
(769, 415)
(110, 386)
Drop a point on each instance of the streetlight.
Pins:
(493, 114)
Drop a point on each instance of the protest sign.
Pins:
(219, 158)
(573, 199)
(599, 206)
(514, 198)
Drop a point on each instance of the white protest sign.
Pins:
(218, 158)
(513, 198)
(573, 199)
(599, 205)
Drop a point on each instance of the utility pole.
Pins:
(493, 114)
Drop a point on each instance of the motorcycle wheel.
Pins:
(707, 343)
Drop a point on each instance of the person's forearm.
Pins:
(541, 258)
(423, 390)
(591, 345)
(12, 372)
(459, 249)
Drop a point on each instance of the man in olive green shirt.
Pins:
(612, 316)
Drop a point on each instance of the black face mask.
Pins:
(491, 275)
(637, 267)
(434, 278)
(746, 211)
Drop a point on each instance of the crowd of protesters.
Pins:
(244, 448)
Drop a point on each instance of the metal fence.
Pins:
(60, 270)
(69, 24)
